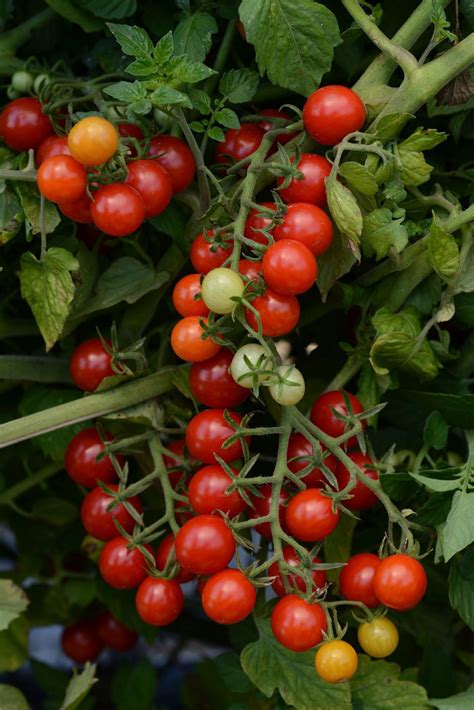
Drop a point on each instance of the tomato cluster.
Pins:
(85, 639)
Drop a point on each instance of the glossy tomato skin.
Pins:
(23, 125)
(117, 210)
(330, 113)
(153, 184)
(62, 179)
(93, 140)
(179, 474)
(296, 624)
(98, 521)
(165, 549)
(291, 557)
(176, 157)
(187, 341)
(78, 210)
(279, 314)
(310, 517)
(90, 363)
(114, 634)
(323, 416)
(51, 146)
(205, 255)
(336, 661)
(239, 143)
(184, 297)
(130, 130)
(207, 432)
(207, 492)
(400, 582)
(267, 125)
(80, 459)
(81, 642)
(159, 602)
(228, 597)
(256, 221)
(204, 545)
(311, 187)
(299, 446)
(120, 567)
(261, 508)
(250, 270)
(356, 580)
(289, 267)
(362, 497)
(307, 224)
(378, 638)
(212, 384)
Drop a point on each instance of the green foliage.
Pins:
(79, 687)
(13, 602)
(11, 698)
(134, 686)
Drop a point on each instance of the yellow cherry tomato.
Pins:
(379, 637)
(93, 140)
(336, 661)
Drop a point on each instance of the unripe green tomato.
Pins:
(218, 289)
(22, 81)
(40, 82)
(291, 391)
(247, 358)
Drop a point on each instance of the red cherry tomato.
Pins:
(281, 138)
(400, 582)
(311, 187)
(204, 545)
(80, 459)
(79, 210)
(250, 269)
(152, 183)
(330, 113)
(23, 125)
(62, 179)
(212, 384)
(90, 363)
(298, 625)
(362, 497)
(120, 567)
(51, 146)
(307, 224)
(98, 521)
(208, 431)
(81, 642)
(298, 447)
(289, 267)
(261, 508)
(178, 474)
(323, 413)
(188, 342)
(239, 143)
(130, 130)
(256, 221)
(356, 580)
(118, 209)
(114, 634)
(228, 597)
(159, 602)
(176, 157)
(279, 314)
(185, 295)
(165, 549)
(205, 255)
(291, 557)
(310, 517)
(207, 492)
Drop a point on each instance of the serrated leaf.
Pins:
(337, 261)
(13, 602)
(143, 66)
(435, 434)
(443, 251)
(193, 35)
(127, 91)
(200, 101)
(458, 532)
(217, 134)
(359, 178)
(344, 210)
(11, 216)
(164, 49)
(423, 139)
(239, 85)
(79, 687)
(133, 40)
(461, 587)
(30, 201)
(227, 118)
(436, 485)
(12, 699)
(166, 96)
(414, 168)
(191, 72)
(376, 686)
(382, 234)
(110, 9)
(388, 126)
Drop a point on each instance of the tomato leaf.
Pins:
(359, 178)
(458, 532)
(382, 234)
(414, 170)
(135, 41)
(31, 203)
(134, 94)
(344, 210)
(337, 261)
(13, 602)
(461, 586)
(239, 85)
(11, 698)
(79, 687)
(193, 35)
(390, 125)
(461, 701)
(11, 216)
(423, 139)
(376, 686)
(435, 434)
(443, 251)
(14, 645)
(166, 96)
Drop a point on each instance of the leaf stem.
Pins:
(203, 183)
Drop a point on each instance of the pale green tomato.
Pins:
(247, 359)
(218, 289)
(22, 81)
(290, 389)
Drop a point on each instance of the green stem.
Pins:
(31, 368)
(21, 175)
(350, 368)
(23, 486)
(221, 57)
(14, 38)
(203, 183)
(156, 451)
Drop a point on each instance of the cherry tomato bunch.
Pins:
(85, 639)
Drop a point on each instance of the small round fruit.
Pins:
(93, 140)
(279, 314)
(221, 289)
(61, 179)
(165, 549)
(159, 602)
(121, 567)
(400, 582)
(310, 517)
(117, 209)
(189, 342)
(250, 270)
(176, 157)
(308, 225)
(208, 492)
(289, 267)
(114, 634)
(356, 580)
(239, 143)
(319, 577)
(80, 459)
(90, 363)
(51, 146)
(261, 508)
(22, 81)
(378, 638)
(206, 254)
(258, 221)
(299, 447)
(228, 597)
(213, 385)
(323, 413)
(336, 661)
(296, 624)
(99, 521)
(204, 545)
(362, 497)
(290, 388)
(23, 125)
(311, 188)
(330, 113)
(207, 432)
(81, 642)
(246, 360)
(79, 210)
(186, 297)
(153, 184)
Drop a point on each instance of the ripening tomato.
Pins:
(81, 642)
(204, 545)
(189, 341)
(90, 363)
(159, 602)
(239, 143)
(80, 459)
(121, 567)
(99, 521)
(356, 580)
(400, 582)
(296, 624)
(79, 210)
(222, 290)
(379, 637)
(207, 432)
(299, 447)
(207, 492)
(117, 209)
(212, 383)
(178, 474)
(311, 187)
(310, 517)
(250, 270)
(330, 113)
(319, 577)
(289, 267)
(187, 297)
(279, 314)
(152, 183)
(267, 125)
(62, 179)
(165, 549)
(23, 125)
(206, 254)
(93, 140)
(257, 221)
(323, 413)
(176, 157)
(251, 365)
(261, 508)
(114, 634)
(51, 146)
(362, 497)
(307, 224)
(288, 387)
(336, 661)
(228, 597)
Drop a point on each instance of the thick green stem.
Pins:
(350, 368)
(156, 451)
(203, 184)
(21, 175)
(30, 368)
